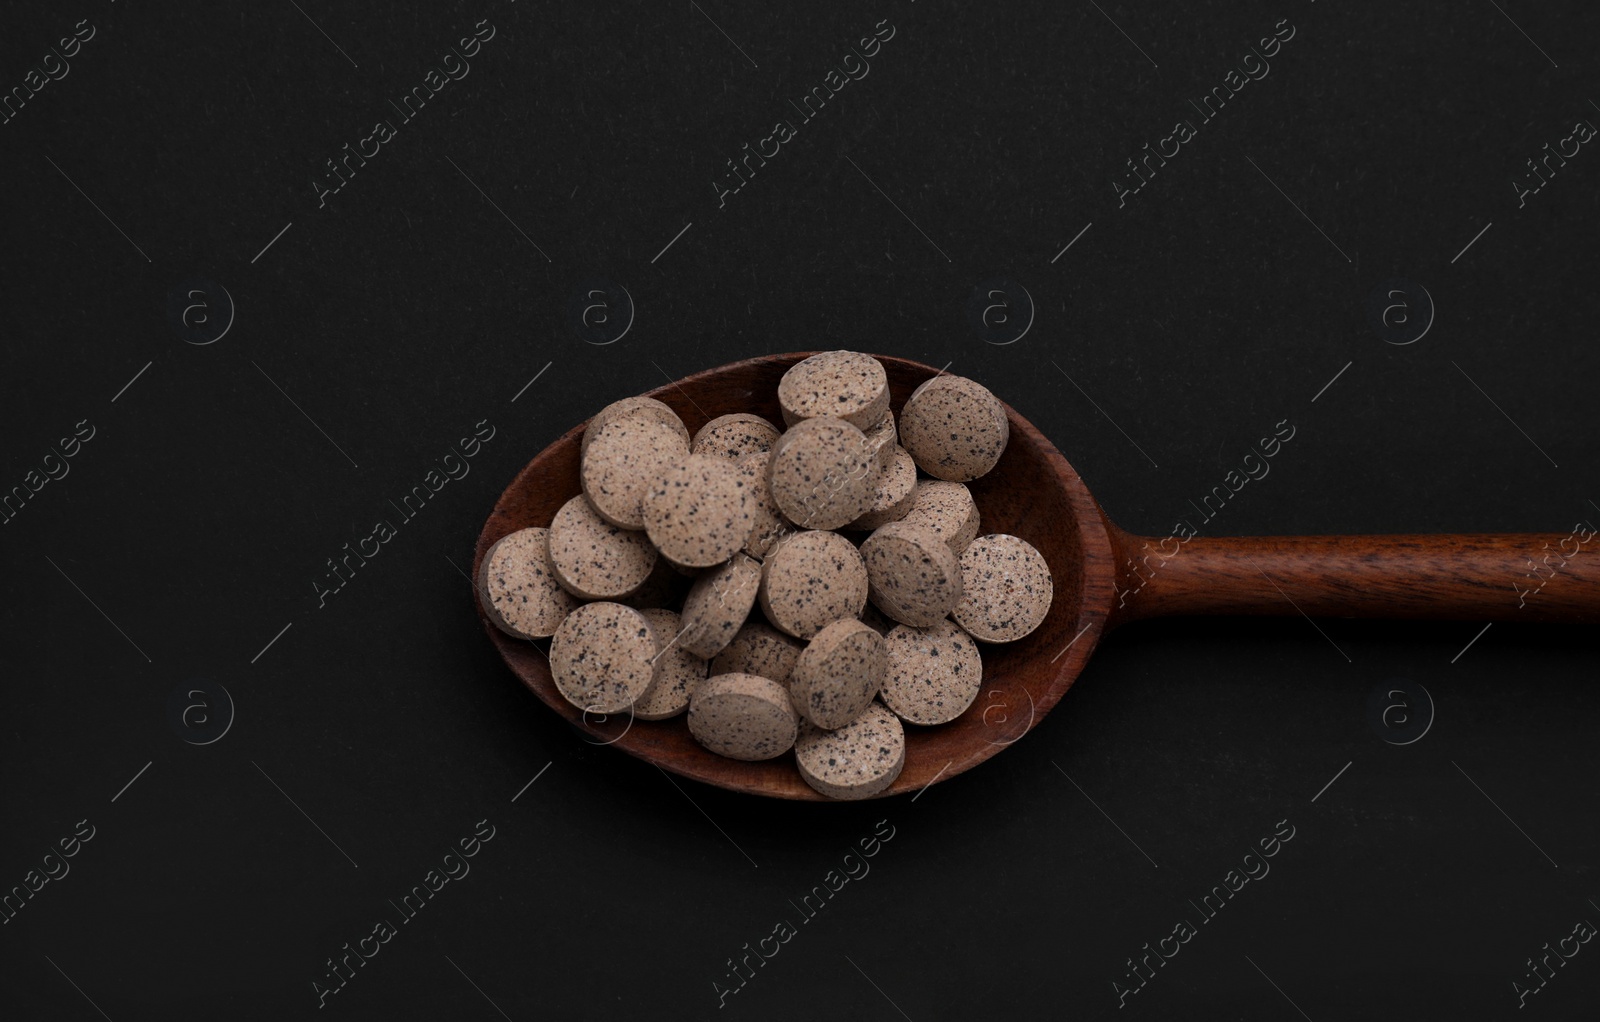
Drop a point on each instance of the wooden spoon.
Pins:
(1103, 577)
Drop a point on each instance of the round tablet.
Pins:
(734, 436)
(822, 473)
(1006, 588)
(811, 580)
(858, 760)
(761, 649)
(600, 657)
(767, 526)
(743, 716)
(882, 440)
(934, 673)
(695, 511)
(838, 673)
(594, 559)
(914, 577)
(718, 603)
(634, 407)
(895, 494)
(842, 384)
(954, 428)
(622, 461)
(518, 586)
(676, 674)
(948, 509)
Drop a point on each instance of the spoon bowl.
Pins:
(1032, 493)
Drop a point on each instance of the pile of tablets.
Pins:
(854, 534)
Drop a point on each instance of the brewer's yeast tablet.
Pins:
(718, 603)
(822, 474)
(734, 436)
(843, 384)
(946, 508)
(695, 511)
(594, 559)
(954, 428)
(600, 657)
(1006, 588)
(767, 525)
(622, 461)
(883, 441)
(518, 586)
(643, 408)
(855, 761)
(838, 673)
(895, 494)
(676, 674)
(743, 716)
(811, 580)
(760, 649)
(934, 673)
(913, 576)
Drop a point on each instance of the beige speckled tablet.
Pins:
(767, 525)
(622, 461)
(838, 673)
(518, 586)
(948, 509)
(882, 441)
(895, 494)
(954, 428)
(914, 577)
(1006, 588)
(858, 760)
(743, 716)
(695, 512)
(677, 671)
(734, 436)
(934, 673)
(600, 657)
(842, 384)
(634, 408)
(761, 649)
(811, 580)
(718, 604)
(822, 474)
(594, 559)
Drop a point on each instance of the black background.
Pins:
(413, 306)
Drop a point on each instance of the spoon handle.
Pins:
(1482, 577)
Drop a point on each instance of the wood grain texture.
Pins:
(1485, 577)
(1032, 493)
